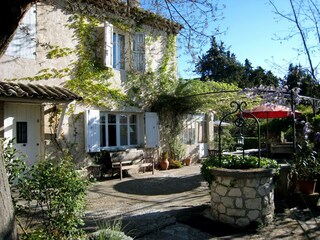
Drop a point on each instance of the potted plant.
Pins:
(305, 168)
(164, 163)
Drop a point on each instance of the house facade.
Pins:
(74, 74)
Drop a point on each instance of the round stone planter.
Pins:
(242, 197)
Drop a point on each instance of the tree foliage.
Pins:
(298, 77)
(220, 64)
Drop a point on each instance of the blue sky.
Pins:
(251, 33)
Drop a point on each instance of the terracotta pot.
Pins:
(187, 161)
(164, 164)
(307, 186)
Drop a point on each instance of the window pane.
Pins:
(123, 135)
(189, 132)
(103, 131)
(112, 118)
(118, 51)
(123, 119)
(112, 135)
(112, 130)
(133, 119)
(133, 135)
(22, 132)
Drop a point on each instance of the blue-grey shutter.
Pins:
(23, 43)
(152, 129)
(108, 44)
(139, 52)
(92, 130)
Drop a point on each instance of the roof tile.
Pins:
(36, 91)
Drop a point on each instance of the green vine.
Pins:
(90, 78)
(58, 52)
(47, 73)
(167, 69)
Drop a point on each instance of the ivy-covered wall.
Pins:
(70, 54)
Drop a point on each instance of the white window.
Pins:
(195, 129)
(105, 130)
(23, 43)
(189, 131)
(139, 52)
(115, 49)
(118, 130)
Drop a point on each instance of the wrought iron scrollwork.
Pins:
(239, 122)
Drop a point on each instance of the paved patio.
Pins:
(174, 204)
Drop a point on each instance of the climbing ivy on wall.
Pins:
(90, 78)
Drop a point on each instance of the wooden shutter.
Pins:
(152, 129)
(92, 125)
(23, 43)
(138, 52)
(108, 42)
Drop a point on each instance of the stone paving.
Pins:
(174, 204)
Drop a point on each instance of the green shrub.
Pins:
(59, 194)
(175, 164)
(13, 160)
(110, 230)
(235, 162)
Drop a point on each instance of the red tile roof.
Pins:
(36, 92)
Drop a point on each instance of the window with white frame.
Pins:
(115, 49)
(108, 130)
(139, 52)
(195, 129)
(189, 131)
(118, 130)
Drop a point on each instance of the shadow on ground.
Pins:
(159, 186)
(149, 225)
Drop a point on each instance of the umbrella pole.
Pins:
(268, 147)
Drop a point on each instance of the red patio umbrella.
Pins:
(270, 110)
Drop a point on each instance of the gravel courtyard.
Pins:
(174, 204)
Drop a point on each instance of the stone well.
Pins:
(242, 197)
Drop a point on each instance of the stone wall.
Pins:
(242, 197)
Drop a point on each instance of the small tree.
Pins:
(59, 193)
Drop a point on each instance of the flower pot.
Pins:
(187, 161)
(307, 186)
(164, 164)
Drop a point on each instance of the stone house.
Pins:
(66, 75)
